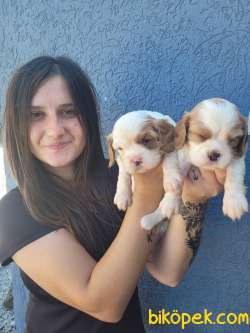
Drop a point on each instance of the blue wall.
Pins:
(160, 55)
(218, 280)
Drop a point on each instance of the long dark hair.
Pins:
(85, 207)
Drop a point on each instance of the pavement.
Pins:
(7, 323)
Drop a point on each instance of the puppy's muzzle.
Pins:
(136, 160)
(214, 155)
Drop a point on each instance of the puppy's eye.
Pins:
(146, 140)
(197, 137)
(235, 141)
(202, 137)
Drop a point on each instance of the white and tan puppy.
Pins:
(214, 136)
(140, 141)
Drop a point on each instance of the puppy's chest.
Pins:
(184, 160)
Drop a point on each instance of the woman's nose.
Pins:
(55, 126)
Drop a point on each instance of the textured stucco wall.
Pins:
(160, 55)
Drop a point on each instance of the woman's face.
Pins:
(56, 136)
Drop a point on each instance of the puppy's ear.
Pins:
(242, 147)
(111, 150)
(166, 135)
(181, 131)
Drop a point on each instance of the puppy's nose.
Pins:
(137, 160)
(213, 155)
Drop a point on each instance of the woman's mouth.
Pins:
(58, 145)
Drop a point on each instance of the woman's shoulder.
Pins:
(17, 227)
(10, 196)
(11, 204)
(12, 207)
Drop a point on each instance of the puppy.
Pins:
(214, 136)
(140, 141)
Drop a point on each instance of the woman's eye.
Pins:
(36, 115)
(119, 148)
(69, 113)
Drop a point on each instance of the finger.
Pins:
(221, 175)
(211, 182)
(201, 185)
(193, 174)
(209, 176)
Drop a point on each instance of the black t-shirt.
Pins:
(46, 314)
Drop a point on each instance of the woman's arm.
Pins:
(61, 266)
(172, 254)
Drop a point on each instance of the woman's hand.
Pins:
(200, 185)
(150, 182)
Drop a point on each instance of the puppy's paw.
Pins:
(169, 204)
(172, 182)
(149, 221)
(123, 199)
(234, 205)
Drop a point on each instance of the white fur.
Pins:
(124, 132)
(220, 118)
(234, 202)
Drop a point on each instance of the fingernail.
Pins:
(194, 175)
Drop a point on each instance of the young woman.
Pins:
(78, 256)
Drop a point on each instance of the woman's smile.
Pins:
(57, 136)
(58, 145)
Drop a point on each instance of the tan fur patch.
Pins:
(111, 150)
(148, 137)
(181, 131)
(198, 132)
(167, 136)
(237, 137)
(158, 134)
